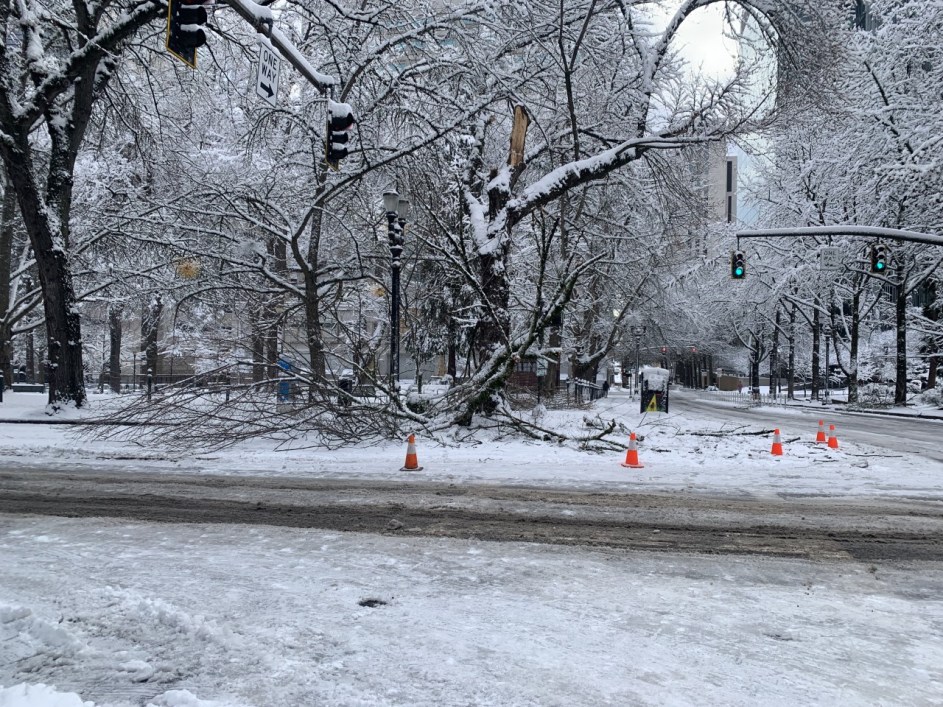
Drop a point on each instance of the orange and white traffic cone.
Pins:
(412, 461)
(631, 456)
(777, 450)
(820, 437)
(832, 437)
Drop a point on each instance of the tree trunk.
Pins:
(314, 335)
(271, 352)
(494, 325)
(900, 385)
(451, 366)
(853, 354)
(30, 357)
(552, 379)
(114, 351)
(755, 356)
(150, 327)
(816, 342)
(774, 357)
(932, 312)
(791, 384)
(7, 217)
(257, 345)
(63, 325)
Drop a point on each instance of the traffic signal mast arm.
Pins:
(261, 19)
(863, 231)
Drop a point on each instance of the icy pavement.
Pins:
(120, 613)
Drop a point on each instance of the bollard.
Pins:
(2, 386)
(150, 384)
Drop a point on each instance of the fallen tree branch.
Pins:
(730, 434)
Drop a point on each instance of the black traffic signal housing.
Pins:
(184, 29)
(340, 120)
(880, 255)
(738, 265)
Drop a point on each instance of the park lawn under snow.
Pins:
(674, 448)
(110, 613)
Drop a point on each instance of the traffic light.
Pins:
(738, 265)
(184, 31)
(879, 257)
(340, 119)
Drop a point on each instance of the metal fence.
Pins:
(748, 398)
(567, 395)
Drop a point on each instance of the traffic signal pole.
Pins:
(261, 19)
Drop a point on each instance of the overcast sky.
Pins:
(701, 40)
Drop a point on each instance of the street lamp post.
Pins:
(637, 332)
(397, 211)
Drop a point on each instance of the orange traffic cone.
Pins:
(832, 437)
(820, 437)
(631, 456)
(777, 450)
(412, 461)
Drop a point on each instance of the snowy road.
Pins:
(717, 574)
(872, 530)
(910, 435)
(214, 615)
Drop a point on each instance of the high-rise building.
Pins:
(722, 188)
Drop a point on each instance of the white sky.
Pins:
(701, 40)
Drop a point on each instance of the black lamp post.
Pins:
(637, 332)
(397, 211)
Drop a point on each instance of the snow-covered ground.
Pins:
(677, 451)
(114, 613)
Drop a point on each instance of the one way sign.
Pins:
(266, 78)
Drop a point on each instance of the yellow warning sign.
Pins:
(652, 405)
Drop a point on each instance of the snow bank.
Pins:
(39, 695)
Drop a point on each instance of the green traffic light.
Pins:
(879, 265)
(739, 272)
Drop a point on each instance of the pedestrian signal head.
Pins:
(738, 265)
